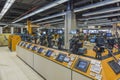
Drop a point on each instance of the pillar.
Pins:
(1, 30)
(70, 24)
(21, 29)
(12, 30)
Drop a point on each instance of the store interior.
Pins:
(64, 39)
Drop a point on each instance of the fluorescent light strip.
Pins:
(99, 4)
(102, 11)
(53, 16)
(51, 21)
(6, 7)
(103, 16)
(53, 4)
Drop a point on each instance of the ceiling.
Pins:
(23, 7)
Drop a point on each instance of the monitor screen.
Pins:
(40, 50)
(34, 48)
(60, 31)
(44, 32)
(66, 59)
(61, 57)
(85, 31)
(48, 54)
(108, 34)
(29, 46)
(24, 44)
(73, 32)
(115, 66)
(92, 40)
(82, 65)
(21, 44)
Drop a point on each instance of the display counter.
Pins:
(49, 63)
(58, 65)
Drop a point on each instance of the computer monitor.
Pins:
(44, 32)
(61, 57)
(115, 66)
(92, 40)
(48, 53)
(29, 46)
(73, 32)
(108, 34)
(60, 31)
(21, 43)
(24, 44)
(40, 50)
(34, 48)
(82, 65)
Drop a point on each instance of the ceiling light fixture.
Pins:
(6, 7)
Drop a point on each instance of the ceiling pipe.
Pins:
(49, 17)
(99, 4)
(51, 21)
(102, 11)
(82, 8)
(53, 4)
(106, 23)
(57, 23)
(103, 16)
(26, 12)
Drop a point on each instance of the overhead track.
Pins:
(53, 4)
(99, 4)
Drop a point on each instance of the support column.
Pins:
(114, 29)
(21, 29)
(1, 30)
(12, 30)
(70, 24)
(29, 27)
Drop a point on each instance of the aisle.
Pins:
(12, 68)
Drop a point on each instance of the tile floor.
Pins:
(12, 68)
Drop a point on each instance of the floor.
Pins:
(12, 68)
